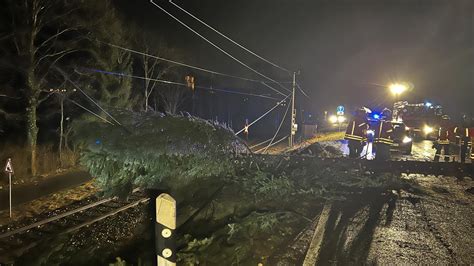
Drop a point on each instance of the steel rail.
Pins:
(111, 213)
(54, 218)
(60, 216)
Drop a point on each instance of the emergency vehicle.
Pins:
(422, 119)
(401, 134)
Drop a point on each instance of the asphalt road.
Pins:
(421, 151)
(29, 192)
(431, 224)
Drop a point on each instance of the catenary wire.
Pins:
(87, 96)
(228, 38)
(179, 63)
(261, 143)
(280, 140)
(278, 130)
(90, 111)
(174, 83)
(222, 50)
(266, 113)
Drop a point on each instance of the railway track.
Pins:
(17, 239)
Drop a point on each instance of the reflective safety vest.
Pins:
(471, 134)
(465, 134)
(443, 136)
(452, 134)
(356, 129)
(384, 133)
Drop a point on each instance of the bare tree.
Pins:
(173, 97)
(38, 40)
(45, 34)
(154, 68)
(149, 65)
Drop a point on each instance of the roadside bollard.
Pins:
(165, 230)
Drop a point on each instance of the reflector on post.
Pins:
(164, 230)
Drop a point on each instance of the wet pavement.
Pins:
(29, 192)
(434, 227)
(432, 223)
(421, 151)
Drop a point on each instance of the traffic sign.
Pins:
(9, 171)
(9, 167)
(340, 110)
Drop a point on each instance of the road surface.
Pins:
(421, 151)
(430, 223)
(29, 192)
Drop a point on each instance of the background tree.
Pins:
(41, 35)
(172, 97)
(154, 68)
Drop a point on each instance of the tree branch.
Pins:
(62, 53)
(55, 36)
(41, 100)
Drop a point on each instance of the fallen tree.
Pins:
(233, 207)
(154, 150)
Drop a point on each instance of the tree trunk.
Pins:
(32, 133)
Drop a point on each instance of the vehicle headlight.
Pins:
(407, 139)
(333, 119)
(427, 130)
(341, 119)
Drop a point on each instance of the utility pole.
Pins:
(293, 112)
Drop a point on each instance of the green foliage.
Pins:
(194, 249)
(155, 151)
(118, 262)
(266, 186)
(241, 242)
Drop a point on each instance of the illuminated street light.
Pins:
(397, 88)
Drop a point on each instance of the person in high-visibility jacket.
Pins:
(471, 143)
(471, 134)
(383, 137)
(356, 133)
(442, 142)
(464, 135)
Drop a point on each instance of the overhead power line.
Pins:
(228, 38)
(278, 130)
(278, 141)
(87, 96)
(261, 143)
(238, 44)
(90, 111)
(262, 116)
(301, 90)
(222, 50)
(180, 63)
(175, 83)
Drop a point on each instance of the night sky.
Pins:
(341, 47)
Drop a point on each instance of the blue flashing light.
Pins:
(428, 104)
(376, 116)
(98, 142)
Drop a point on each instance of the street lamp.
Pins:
(397, 88)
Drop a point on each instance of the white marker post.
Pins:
(9, 170)
(164, 230)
